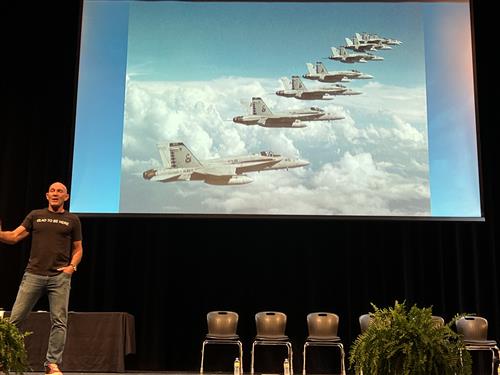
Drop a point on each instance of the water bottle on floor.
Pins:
(237, 366)
(286, 367)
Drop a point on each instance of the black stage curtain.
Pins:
(169, 272)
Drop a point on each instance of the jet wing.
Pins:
(172, 176)
(216, 171)
(254, 167)
(262, 121)
(279, 121)
(311, 95)
(333, 77)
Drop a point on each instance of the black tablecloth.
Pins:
(96, 341)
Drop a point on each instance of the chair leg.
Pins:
(304, 359)
(342, 359)
(290, 356)
(240, 349)
(240, 346)
(202, 357)
(252, 358)
(495, 361)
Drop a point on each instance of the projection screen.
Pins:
(276, 108)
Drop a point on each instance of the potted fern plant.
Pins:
(13, 356)
(406, 341)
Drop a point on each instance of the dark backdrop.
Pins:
(170, 272)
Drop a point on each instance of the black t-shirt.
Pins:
(52, 236)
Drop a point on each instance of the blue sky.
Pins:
(203, 41)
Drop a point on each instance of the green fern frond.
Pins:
(13, 355)
(406, 341)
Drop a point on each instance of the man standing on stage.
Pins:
(56, 251)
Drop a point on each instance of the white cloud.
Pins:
(359, 185)
(374, 162)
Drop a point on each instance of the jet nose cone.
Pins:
(237, 119)
(303, 163)
(332, 117)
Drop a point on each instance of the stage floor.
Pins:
(161, 373)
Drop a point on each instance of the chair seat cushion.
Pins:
(480, 342)
(323, 338)
(271, 338)
(222, 337)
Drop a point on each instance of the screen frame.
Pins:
(272, 217)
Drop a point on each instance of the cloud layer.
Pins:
(374, 162)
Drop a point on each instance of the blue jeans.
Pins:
(57, 289)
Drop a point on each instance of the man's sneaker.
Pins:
(52, 369)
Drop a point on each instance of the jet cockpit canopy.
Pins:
(316, 109)
(268, 153)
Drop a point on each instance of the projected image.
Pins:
(229, 110)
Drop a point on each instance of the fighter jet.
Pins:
(375, 39)
(355, 45)
(261, 115)
(362, 46)
(321, 74)
(343, 56)
(180, 164)
(299, 91)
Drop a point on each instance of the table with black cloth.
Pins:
(95, 341)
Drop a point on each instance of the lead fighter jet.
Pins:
(261, 115)
(179, 164)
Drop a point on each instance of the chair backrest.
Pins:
(438, 321)
(364, 321)
(270, 324)
(322, 325)
(222, 323)
(473, 328)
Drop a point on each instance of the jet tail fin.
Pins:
(181, 156)
(342, 51)
(258, 107)
(164, 154)
(310, 68)
(297, 83)
(335, 52)
(286, 83)
(320, 68)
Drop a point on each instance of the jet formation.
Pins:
(260, 114)
(180, 164)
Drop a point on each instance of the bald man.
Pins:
(56, 251)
